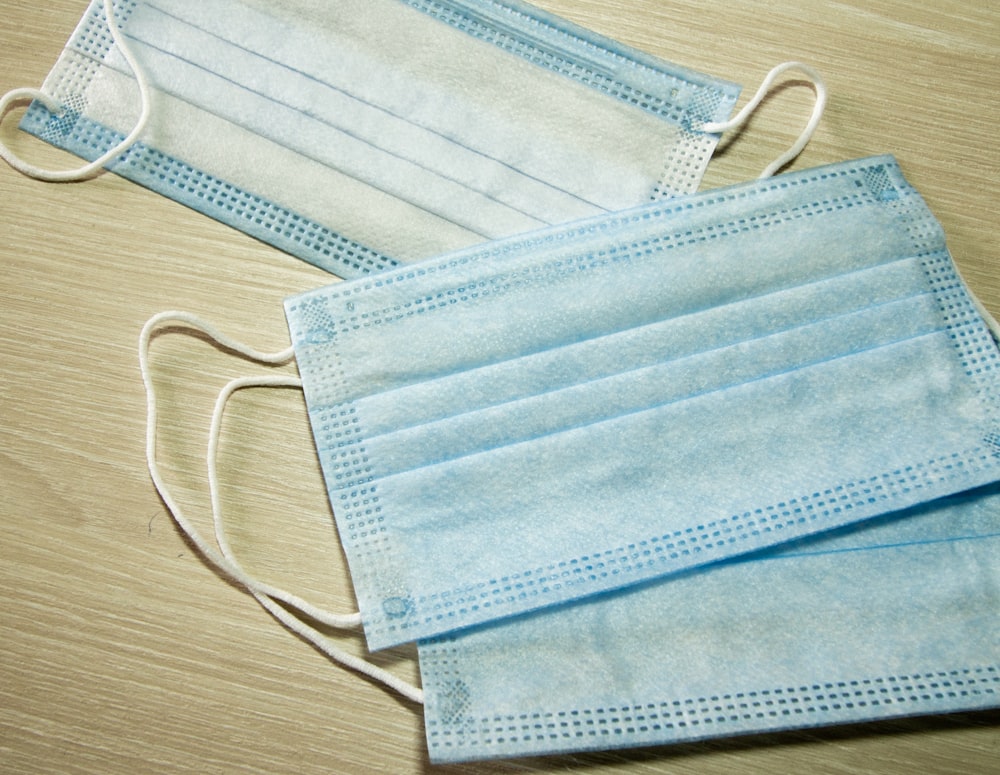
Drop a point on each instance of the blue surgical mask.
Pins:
(358, 135)
(893, 616)
(595, 406)
(898, 617)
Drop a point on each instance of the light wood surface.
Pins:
(122, 652)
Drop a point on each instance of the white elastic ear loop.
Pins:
(340, 621)
(261, 592)
(88, 170)
(155, 322)
(264, 593)
(819, 85)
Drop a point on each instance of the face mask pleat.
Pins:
(364, 138)
(626, 496)
(648, 388)
(605, 357)
(669, 271)
(600, 396)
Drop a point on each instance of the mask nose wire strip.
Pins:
(819, 86)
(53, 105)
(265, 594)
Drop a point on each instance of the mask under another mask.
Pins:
(360, 134)
(598, 405)
(899, 616)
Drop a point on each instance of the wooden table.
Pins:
(121, 651)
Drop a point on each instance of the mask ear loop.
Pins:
(53, 105)
(265, 594)
(819, 86)
(340, 621)
(817, 113)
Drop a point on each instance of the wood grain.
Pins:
(121, 651)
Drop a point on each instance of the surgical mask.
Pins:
(358, 135)
(894, 616)
(898, 617)
(595, 406)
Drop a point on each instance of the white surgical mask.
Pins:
(364, 133)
